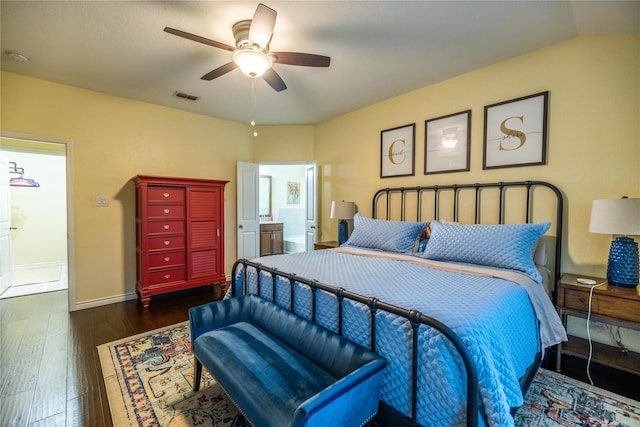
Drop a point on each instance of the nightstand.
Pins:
(326, 245)
(610, 304)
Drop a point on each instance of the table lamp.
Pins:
(343, 211)
(622, 217)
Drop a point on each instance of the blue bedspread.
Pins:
(493, 317)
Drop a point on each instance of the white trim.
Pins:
(104, 301)
(71, 238)
(38, 265)
(71, 252)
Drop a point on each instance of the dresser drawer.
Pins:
(167, 276)
(165, 194)
(166, 259)
(168, 243)
(166, 227)
(166, 211)
(606, 305)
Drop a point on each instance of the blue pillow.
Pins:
(390, 236)
(503, 245)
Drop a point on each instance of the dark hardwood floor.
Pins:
(50, 373)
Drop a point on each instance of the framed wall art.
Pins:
(397, 149)
(447, 143)
(515, 132)
(293, 193)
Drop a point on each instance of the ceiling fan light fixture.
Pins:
(252, 62)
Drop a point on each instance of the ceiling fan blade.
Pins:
(198, 39)
(262, 25)
(230, 66)
(304, 59)
(274, 80)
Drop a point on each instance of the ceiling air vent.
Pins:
(186, 96)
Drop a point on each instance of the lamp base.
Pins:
(622, 268)
(343, 231)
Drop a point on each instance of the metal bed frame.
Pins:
(387, 414)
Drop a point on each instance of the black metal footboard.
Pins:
(414, 317)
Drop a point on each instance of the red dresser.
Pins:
(179, 234)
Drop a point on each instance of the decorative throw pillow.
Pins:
(391, 236)
(540, 256)
(502, 245)
(424, 239)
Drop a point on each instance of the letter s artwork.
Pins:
(510, 134)
(516, 132)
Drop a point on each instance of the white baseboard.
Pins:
(39, 265)
(103, 301)
(111, 300)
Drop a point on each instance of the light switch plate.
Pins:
(102, 201)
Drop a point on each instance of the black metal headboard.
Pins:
(476, 203)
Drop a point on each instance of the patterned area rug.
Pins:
(149, 380)
(556, 400)
(149, 376)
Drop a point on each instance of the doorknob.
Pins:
(13, 228)
(240, 226)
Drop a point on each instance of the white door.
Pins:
(311, 224)
(248, 242)
(5, 226)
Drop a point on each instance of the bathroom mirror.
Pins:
(264, 191)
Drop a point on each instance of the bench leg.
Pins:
(197, 373)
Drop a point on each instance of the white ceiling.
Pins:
(378, 49)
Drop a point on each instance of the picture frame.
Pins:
(515, 132)
(447, 143)
(293, 192)
(397, 151)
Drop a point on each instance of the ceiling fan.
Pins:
(251, 53)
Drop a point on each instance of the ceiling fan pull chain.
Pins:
(253, 106)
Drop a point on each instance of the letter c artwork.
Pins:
(397, 157)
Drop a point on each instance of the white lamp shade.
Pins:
(615, 216)
(251, 62)
(343, 210)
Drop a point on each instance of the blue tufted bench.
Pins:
(283, 370)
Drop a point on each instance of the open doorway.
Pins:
(36, 196)
(288, 190)
(283, 197)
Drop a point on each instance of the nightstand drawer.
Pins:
(602, 304)
(326, 245)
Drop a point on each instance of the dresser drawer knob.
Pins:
(167, 276)
(166, 211)
(166, 194)
(166, 226)
(167, 259)
(167, 242)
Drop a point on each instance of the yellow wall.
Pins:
(594, 123)
(594, 151)
(284, 144)
(112, 140)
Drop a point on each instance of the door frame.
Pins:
(5, 226)
(71, 257)
(316, 195)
